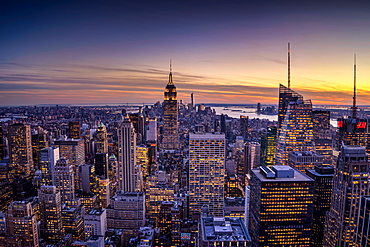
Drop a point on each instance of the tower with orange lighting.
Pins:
(170, 116)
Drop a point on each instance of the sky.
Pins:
(234, 51)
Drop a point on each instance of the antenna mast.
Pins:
(288, 65)
(354, 107)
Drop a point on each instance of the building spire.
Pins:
(289, 65)
(170, 79)
(354, 107)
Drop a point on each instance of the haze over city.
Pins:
(75, 52)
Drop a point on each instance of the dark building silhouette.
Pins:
(74, 130)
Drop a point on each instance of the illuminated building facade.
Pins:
(353, 131)
(268, 146)
(48, 159)
(170, 117)
(350, 182)
(363, 231)
(101, 139)
(74, 130)
(2, 151)
(63, 180)
(281, 200)
(74, 151)
(73, 220)
(303, 160)
(39, 141)
(20, 151)
(142, 159)
(206, 172)
(128, 173)
(244, 126)
(323, 176)
(95, 222)
(286, 95)
(252, 156)
(50, 214)
(322, 135)
(296, 131)
(22, 224)
(104, 192)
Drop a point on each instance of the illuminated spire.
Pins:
(170, 82)
(289, 65)
(354, 107)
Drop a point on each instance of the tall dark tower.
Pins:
(353, 130)
(170, 115)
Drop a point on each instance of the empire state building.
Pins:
(170, 116)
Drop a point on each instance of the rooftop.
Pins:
(222, 229)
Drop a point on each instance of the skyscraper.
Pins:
(286, 95)
(206, 172)
(252, 156)
(51, 214)
(362, 231)
(349, 184)
(20, 151)
(101, 139)
(74, 130)
(21, 222)
(281, 207)
(63, 179)
(322, 135)
(268, 146)
(296, 130)
(74, 151)
(128, 173)
(48, 159)
(170, 117)
(323, 176)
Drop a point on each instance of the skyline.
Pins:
(225, 52)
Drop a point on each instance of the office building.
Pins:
(20, 151)
(39, 141)
(151, 132)
(74, 151)
(362, 237)
(206, 173)
(296, 131)
(350, 182)
(73, 220)
(322, 135)
(48, 159)
(50, 214)
(244, 126)
(220, 231)
(303, 160)
(74, 130)
(101, 139)
(101, 164)
(63, 180)
(22, 224)
(286, 95)
(170, 117)
(128, 173)
(252, 156)
(95, 221)
(268, 146)
(281, 207)
(323, 177)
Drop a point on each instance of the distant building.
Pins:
(170, 117)
(281, 210)
(220, 231)
(206, 172)
(48, 159)
(349, 184)
(268, 146)
(63, 179)
(303, 160)
(74, 130)
(252, 156)
(20, 151)
(101, 139)
(51, 214)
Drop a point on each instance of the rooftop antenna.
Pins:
(354, 107)
(170, 79)
(289, 65)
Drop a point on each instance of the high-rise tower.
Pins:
(296, 131)
(20, 149)
(170, 117)
(349, 184)
(128, 173)
(206, 172)
(101, 139)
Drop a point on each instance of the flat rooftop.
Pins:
(223, 229)
(297, 175)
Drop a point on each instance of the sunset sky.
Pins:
(71, 52)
